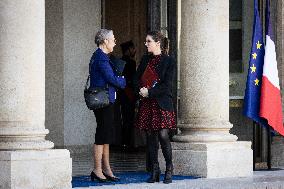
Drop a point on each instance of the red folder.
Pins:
(149, 78)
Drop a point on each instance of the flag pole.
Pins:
(268, 148)
(254, 143)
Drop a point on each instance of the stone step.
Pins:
(120, 162)
(273, 179)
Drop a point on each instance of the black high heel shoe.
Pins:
(110, 178)
(94, 176)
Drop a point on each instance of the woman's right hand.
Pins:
(144, 92)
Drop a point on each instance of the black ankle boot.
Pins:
(168, 174)
(155, 174)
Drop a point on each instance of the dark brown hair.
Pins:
(158, 36)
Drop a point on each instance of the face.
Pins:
(110, 43)
(132, 51)
(151, 45)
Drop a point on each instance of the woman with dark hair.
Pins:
(103, 75)
(153, 82)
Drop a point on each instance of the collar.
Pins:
(100, 55)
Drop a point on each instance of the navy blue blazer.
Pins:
(163, 90)
(102, 74)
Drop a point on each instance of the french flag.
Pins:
(270, 98)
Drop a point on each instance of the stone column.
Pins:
(205, 147)
(26, 158)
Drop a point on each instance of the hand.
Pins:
(144, 92)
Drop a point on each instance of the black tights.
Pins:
(153, 138)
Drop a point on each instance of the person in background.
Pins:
(103, 75)
(127, 95)
(153, 82)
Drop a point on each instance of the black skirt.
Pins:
(105, 125)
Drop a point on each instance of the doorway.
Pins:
(128, 20)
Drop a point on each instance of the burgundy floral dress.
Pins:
(150, 116)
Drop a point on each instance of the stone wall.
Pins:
(277, 151)
(54, 110)
(70, 29)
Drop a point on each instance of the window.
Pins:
(235, 37)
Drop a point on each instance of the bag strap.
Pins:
(87, 82)
(88, 79)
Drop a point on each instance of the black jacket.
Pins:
(129, 70)
(162, 91)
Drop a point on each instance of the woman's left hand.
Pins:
(144, 92)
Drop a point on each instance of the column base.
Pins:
(277, 151)
(36, 169)
(211, 160)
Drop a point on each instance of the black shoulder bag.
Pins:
(97, 97)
